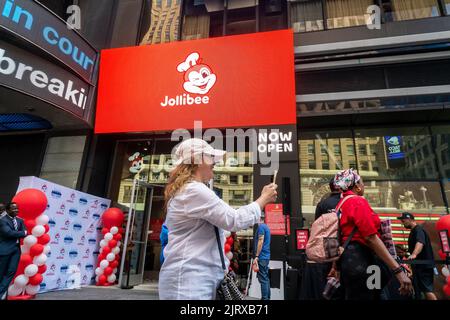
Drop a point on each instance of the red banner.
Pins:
(275, 219)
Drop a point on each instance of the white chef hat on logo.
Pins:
(192, 151)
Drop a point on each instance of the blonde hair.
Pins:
(178, 178)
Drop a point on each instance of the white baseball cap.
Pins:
(195, 148)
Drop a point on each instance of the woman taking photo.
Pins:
(192, 268)
(365, 248)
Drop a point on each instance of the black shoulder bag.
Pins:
(227, 289)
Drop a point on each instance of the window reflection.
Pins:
(347, 13)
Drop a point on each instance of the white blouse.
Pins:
(192, 268)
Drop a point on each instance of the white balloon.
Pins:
(46, 249)
(114, 230)
(31, 270)
(96, 278)
(38, 231)
(111, 257)
(32, 290)
(226, 234)
(119, 243)
(30, 241)
(116, 250)
(14, 291)
(229, 255)
(24, 249)
(112, 278)
(108, 236)
(445, 272)
(21, 281)
(104, 264)
(103, 243)
(114, 271)
(40, 259)
(99, 271)
(42, 220)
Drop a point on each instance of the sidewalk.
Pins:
(141, 292)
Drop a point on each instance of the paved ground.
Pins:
(142, 292)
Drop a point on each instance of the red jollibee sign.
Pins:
(234, 81)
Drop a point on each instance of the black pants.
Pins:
(353, 266)
(8, 268)
(314, 280)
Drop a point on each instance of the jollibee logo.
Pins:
(73, 253)
(56, 194)
(73, 212)
(83, 201)
(137, 162)
(44, 188)
(95, 205)
(68, 239)
(56, 238)
(85, 278)
(72, 197)
(91, 228)
(86, 214)
(58, 282)
(53, 268)
(198, 79)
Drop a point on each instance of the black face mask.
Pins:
(12, 213)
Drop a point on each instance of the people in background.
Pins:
(419, 247)
(314, 278)
(192, 268)
(2, 209)
(365, 247)
(164, 238)
(262, 257)
(12, 229)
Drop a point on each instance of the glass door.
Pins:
(137, 230)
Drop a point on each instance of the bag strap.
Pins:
(219, 246)
(346, 243)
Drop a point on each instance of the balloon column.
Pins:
(444, 224)
(228, 245)
(108, 259)
(26, 283)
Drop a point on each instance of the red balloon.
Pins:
(21, 241)
(42, 269)
(117, 237)
(446, 289)
(31, 203)
(44, 239)
(227, 248)
(30, 224)
(117, 258)
(112, 217)
(121, 230)
(102, 279)
(106, 250)
(47, 228)
(443, 223)
(101, 257)
(36, 249)
(36, 279)
(25, 260)
(114, 264)
(108, 271)
(230, 241)
(105, 230)
(112, 243)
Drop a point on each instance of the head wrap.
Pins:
(346, 179)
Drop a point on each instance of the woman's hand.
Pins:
(268, 195)
(406, 287)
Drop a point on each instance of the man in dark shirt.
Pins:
(419, 246)
(315, 274)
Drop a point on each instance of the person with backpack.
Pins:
(362, 247)
(314, 277)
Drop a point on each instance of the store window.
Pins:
(390, 149)
(164, 22)
(347, 13)
(413, 9)
(272, 15)
(62, 160)
(241, 17)
(306, 16)
(314, 178)
(447, 6)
